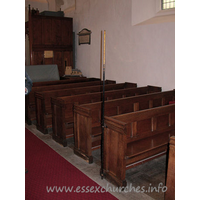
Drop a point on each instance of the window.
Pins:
(167, 4)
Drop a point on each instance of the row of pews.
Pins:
(139, 121)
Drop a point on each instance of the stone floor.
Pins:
(145, 181)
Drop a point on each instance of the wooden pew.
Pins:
(170, 193)
(134, 138)
(68, 80)
(30, 99)
(30, 114)
(71, 77)
(87, 118)
(43, 101)
(62, 108)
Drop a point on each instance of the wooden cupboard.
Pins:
(50, 40)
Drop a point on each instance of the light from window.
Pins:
(167, 4)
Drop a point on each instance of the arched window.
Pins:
(167, 4)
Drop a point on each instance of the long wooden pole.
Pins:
(101, 58)
(102, 112)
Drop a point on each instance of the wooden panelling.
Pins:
(150, 141)
(58, 59)
(120, 107)
(67, 33)
(57, 32)
(37, 31)
(38, 57)
(46, 31)
(52, 34)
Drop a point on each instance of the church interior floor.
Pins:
(147, 179)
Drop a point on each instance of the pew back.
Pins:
(64, 86)
(30, 110)
(145, 123)
(43, 101)
(46, 96)
(133, 138)
(68, 80)
(126, 105)
(63, 127)
(87, 117)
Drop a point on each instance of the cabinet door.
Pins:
(67, 32)
(56, 32)
(68, 58)
(38, 57)
(48, 61)
(58, 60)
(37, 31)
(46, 31)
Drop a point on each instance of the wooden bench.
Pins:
(68, 80)
(43, 101)
(30, 99)
(170, 183)
(87, 118)
(134, 138)
(62, 108)
(30, 110)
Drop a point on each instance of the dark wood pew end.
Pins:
(170, 178)
(84, 156)
(29, 122)
(114, 180)
(61, 141)
(127, 145)
(45, 131)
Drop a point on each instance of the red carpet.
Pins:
(48, 169)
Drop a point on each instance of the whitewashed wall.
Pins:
(143, 54)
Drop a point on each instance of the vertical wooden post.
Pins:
(101, 56)
(102, 112)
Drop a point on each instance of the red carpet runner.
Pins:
(51, 177)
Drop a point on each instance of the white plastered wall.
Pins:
(143, 54)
